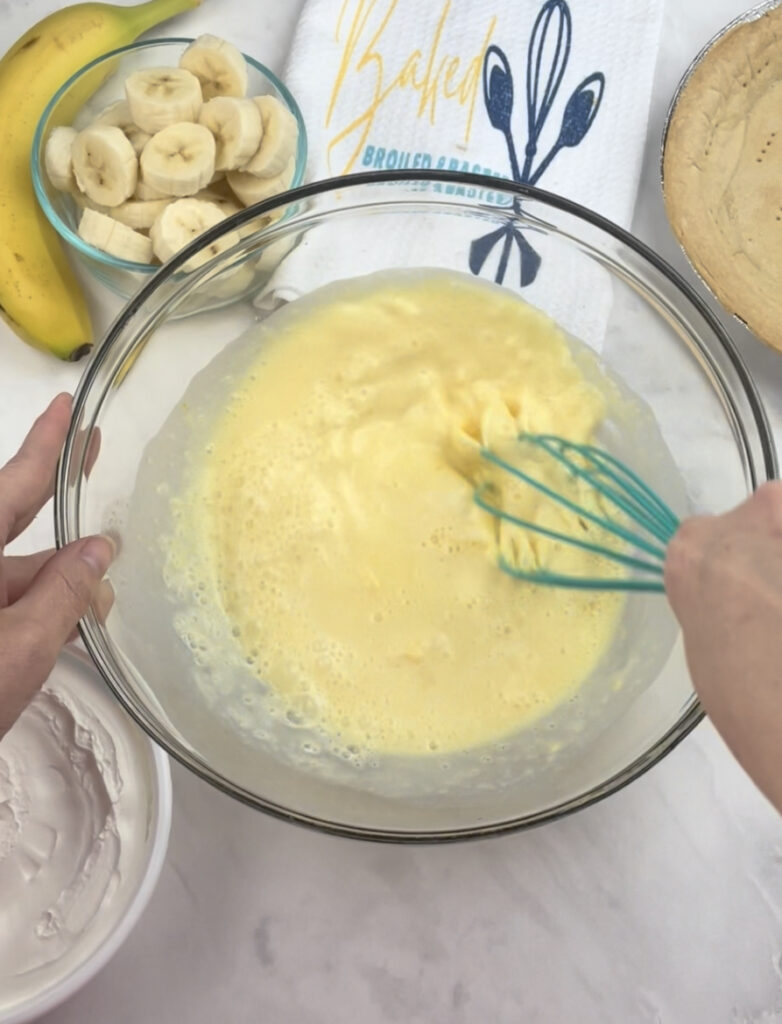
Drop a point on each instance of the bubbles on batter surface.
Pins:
(295, 672)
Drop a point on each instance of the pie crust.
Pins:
(722, 172)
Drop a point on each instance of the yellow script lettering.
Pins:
(363, 70)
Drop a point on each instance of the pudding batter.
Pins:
(331, 519)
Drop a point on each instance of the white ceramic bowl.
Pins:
(134, 890)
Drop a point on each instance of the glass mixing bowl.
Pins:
(78, 102)
(654, 334)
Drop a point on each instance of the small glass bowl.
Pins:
(78, 102)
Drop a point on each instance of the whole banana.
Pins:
(40, 296)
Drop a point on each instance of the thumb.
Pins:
(60, 594)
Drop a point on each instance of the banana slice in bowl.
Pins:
(179, 160)
(118, 115)
(218, 65)
(159, 97)
(229, 204)
(58, 159)
(236, 125)
(232, 283)
(111, 236)
(251, 189)
(140, 214)
(104, 164)
(279, 138)
(181, 222)
(146, 191)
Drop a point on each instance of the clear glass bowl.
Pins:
(78, 102)
(604, 287)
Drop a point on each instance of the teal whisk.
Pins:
(645, 523)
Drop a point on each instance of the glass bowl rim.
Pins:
(68, 234)
(681, 728)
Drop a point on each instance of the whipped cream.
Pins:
(77, 800)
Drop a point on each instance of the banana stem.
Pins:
(144, 16)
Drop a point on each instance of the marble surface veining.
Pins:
(662, 904)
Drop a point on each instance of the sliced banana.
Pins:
(111, 236)
(257, 224)
(236, 125)
(57, 157)
(179, 160)
(231, 283)
(218, 65)
(229, 206)
(251, 189)
(146, 191)
(159, 97)
(85, 203)
(119, 116)
(137, 138)
(140, 214)
(274, 253)
(219, 184)
(105, 164)
(180, 223)
(280, 133)
(116, 115)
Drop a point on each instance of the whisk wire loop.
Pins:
(610, 527)
(642, 503)
(619, 486)
(584, 545)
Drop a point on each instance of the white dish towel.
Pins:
(552, 93)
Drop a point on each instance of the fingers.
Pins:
(103, 601)
(102, 604)
(681, 559)
(710, 555)
(33, 630)
(20, 571)
(63, 590)
(39, 623)
(763, 509)
(27, 481)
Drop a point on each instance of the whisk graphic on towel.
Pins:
(626, 508)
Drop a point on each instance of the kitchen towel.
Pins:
(554, 94)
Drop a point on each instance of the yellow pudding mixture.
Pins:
(332, 522)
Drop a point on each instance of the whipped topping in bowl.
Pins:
(84, 804)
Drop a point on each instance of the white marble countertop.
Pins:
(662, 904)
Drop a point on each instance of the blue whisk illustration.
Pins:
(553, 22)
